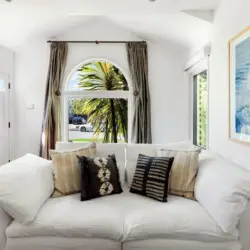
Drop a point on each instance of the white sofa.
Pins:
(126, 221)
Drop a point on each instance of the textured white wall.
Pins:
(168, 83)
(232, 17)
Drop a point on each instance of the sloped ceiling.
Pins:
(178, 28)
(207, 15)
(162, 19)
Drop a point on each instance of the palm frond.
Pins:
(107, 114)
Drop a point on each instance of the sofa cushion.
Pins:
(177, 244)
(66, 169)
(102, 150)
(223, 189)
(180, 218)
(123, 217)
(183, 173)
(68, 217)
(25, 184)
(62, 243)
(133, 151)
(151, 177)
(99, 177)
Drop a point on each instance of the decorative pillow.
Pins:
(184, 171)
(99, 177)
(151, 177)
(133, 150)
(66, 170)
(25, 184)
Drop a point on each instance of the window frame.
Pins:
(66, 94)
(201, 66)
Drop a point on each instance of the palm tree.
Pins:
(108, 115)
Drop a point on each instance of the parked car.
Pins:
(78, 120)
(86, 128)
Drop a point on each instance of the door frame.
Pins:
(6, 77)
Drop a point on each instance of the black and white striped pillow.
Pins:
(151, 177)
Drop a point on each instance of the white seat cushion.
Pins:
(178, 244)
(123, 217)
(62, 243)
(179, 218)
(69, 217)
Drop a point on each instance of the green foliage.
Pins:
(101, 76)
(202, 109)
(107, 115)
(77, 106)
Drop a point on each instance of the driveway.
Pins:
(75, 134)
(82, 135)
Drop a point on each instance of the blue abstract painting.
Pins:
(242, 88)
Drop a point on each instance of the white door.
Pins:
(4, 119)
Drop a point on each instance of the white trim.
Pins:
(95, 94)
(98, 94)
(208, 102)
(65, 118)
(199, 67)
(7, 95)
(191, 102)
(198, 58)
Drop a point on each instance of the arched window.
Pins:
(96, 104)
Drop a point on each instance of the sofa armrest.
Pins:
(244, 228)
(5, 220)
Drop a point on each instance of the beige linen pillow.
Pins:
(67, 175)
(183, 173)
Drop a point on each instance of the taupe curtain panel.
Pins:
(138, 64)
(51, 129)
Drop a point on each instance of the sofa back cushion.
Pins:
(183, 173)
(223, 189)
(102, 150)
(133, 151)
(67, 171)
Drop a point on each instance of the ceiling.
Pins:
(165, 19)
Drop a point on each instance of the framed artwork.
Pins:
(239, 87)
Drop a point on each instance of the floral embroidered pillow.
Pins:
(99, 177)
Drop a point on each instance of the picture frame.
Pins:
(239, 87)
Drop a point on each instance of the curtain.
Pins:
(51, 128)
(138, 65)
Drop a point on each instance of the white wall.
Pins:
(232, 17)
(31, 65)
(168, 83)
(169, 87)
(7, 67)
(6, 61)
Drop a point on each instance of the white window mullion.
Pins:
(65, 125)
(98, 94)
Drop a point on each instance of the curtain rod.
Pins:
(96, 42)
